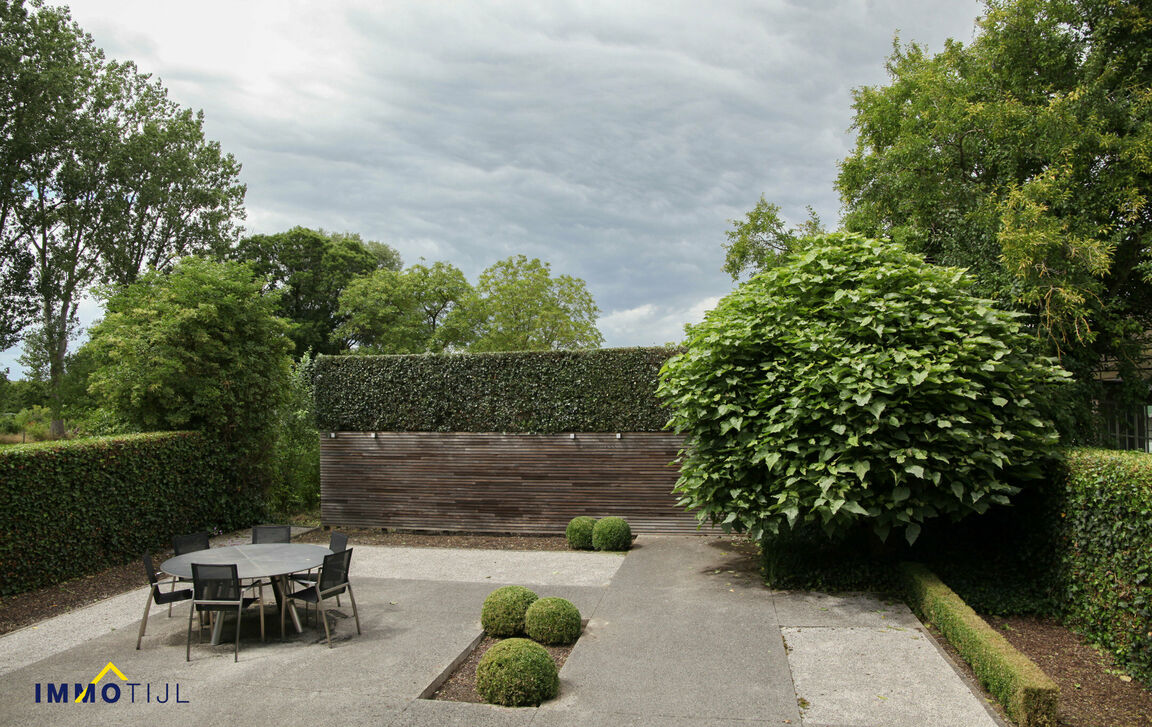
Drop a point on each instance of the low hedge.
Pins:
(1028, 695)
(539, 392)
(1104, 575)
(73, 508)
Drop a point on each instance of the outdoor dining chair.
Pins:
(158, 596)
(332, 581)
(337, 542)
(217, 589)
(272, 534)
(182, 544)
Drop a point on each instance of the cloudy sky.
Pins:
(614, 140)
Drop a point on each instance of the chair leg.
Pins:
(144, 620)
(188, 648)
(236, 653)
(324, 617)
(354, 611)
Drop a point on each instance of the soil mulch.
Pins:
(461, 685)
(1093, 691)
(375, 536)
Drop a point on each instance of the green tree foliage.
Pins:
(405, 311)
(519, 306)
(102, 174)
(855, 385)
(198, 347)
(310, 269)
(386, 256)
(296, 462)
(1026, 157)
(763, 238)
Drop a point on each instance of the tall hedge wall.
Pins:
(68, 509)
(1105, 552)
(605, 390)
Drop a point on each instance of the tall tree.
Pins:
(519, 306)
(762, 238)
(197, 347)
(404, 312)
(1026, 157)
(107, 175)
(311, 269)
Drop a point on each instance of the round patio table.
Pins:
(274, 561)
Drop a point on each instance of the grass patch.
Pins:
(1026, 693)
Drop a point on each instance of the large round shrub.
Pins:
(855, 384)
(504, 609)
(552, 621)
(612, 533)
(579, 532)
(517, 673)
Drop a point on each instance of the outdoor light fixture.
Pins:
(617, 435)
(332, 435)
(373, 435)
(572, 435)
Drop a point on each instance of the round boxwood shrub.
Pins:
(579, 532)
(504, 609)
(552, 621)
(517, 673)
(856, 387)
(612, 533)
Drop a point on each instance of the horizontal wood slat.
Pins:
(521, 483)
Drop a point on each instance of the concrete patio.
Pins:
(672, 639)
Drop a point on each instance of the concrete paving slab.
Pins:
(878, 676)
(547, 718)
(575, 568)
(797, 608)
(684, 645)
(426, 713)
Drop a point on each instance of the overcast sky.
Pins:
(614, 140)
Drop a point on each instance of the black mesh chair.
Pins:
(337, 542)
(155, 595)
(182, 544)
(272, 534)
(333, 580)
(217, 589)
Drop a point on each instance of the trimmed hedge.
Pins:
(579, 532)
(552, 621)
(1105, 572)
(517, 673)
(1028, 695)
(503, 611)
(68, 509)
(611, 533)
(540, 392)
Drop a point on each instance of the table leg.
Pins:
(279, 587)
(218, 626)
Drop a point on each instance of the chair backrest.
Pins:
(215, 582)
(272, 534)
(182, 544)
(334, 572)
(151, 571)
(338, 542)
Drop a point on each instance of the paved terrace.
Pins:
(673, 639)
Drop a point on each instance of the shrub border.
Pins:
(1028, 695)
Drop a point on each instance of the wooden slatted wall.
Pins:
(499, 482)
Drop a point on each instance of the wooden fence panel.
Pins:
(517, 483)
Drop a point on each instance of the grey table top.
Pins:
(252, 561)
